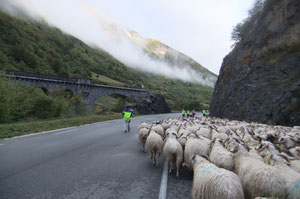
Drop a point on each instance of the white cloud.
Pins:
(200, 29)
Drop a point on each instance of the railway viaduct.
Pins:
(77, 86)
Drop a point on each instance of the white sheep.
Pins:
(216, 134)
(144, 125)
(195, 146)
(296, 152)
(286, 142)
(205, 132)
(154, 145)
(142, 135)
(221, 156)
(232, 144)
(258, 178)
(173, 152)
(290, 176)
(159, 129)
(182, 140)
(211, 182)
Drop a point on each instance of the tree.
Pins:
(241, 29)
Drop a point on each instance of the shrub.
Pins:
(78, 105)
(45, 107)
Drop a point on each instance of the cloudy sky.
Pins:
(199, 28)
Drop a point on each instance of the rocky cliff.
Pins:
(149, 104)
(260, 79)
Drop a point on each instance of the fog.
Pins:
(91, 24)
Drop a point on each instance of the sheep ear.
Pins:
(285, 158)
(261, 147)
(238, 141)
(193, 160)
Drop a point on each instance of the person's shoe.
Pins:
(125, 131)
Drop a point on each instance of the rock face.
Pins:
(260, 79)
(150, 104)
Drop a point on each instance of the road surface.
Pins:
(91, 161)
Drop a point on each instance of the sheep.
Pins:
(159, 129)
(290, 176)
(258, 178)
(221, 156)
(165, 125)
(182, 131)
(232, 134)
(296, 152)
(173, 152)
(195, 146)
(144, 125)
(286, 142)
(154, 145)
(205, 132)
(254, 153)
(182, 140)
(211, 182)
(266, 148)
(142, 135)
(295, 164)
(215, 134)
(173, 128)
(232, 144)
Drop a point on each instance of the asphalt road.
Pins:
(92, 161)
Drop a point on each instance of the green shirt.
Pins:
(127, 116)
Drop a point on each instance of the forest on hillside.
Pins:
(32, 46)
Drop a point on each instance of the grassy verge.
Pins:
(23, 128)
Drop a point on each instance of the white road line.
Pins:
(164, 183)
(65, 131)
(40, 133)
(1, 144)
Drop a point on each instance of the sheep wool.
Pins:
(153, 146)
(211, 182)
(173, 152)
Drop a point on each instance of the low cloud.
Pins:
(95, 29)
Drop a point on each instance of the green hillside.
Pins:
(39, 48)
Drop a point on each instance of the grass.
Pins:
(106, 80)
(23, 128)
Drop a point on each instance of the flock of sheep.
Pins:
(230, 159)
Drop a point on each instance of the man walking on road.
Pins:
(204, 112)
(127, 117)
(183, 112)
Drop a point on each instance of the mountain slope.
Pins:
(155, 54)
(37, 47)
(169, 55)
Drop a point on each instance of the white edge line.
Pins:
(65, 131)
(45, 132)
(1, 144)
(164, 183)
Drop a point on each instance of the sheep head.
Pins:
(198, 159)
